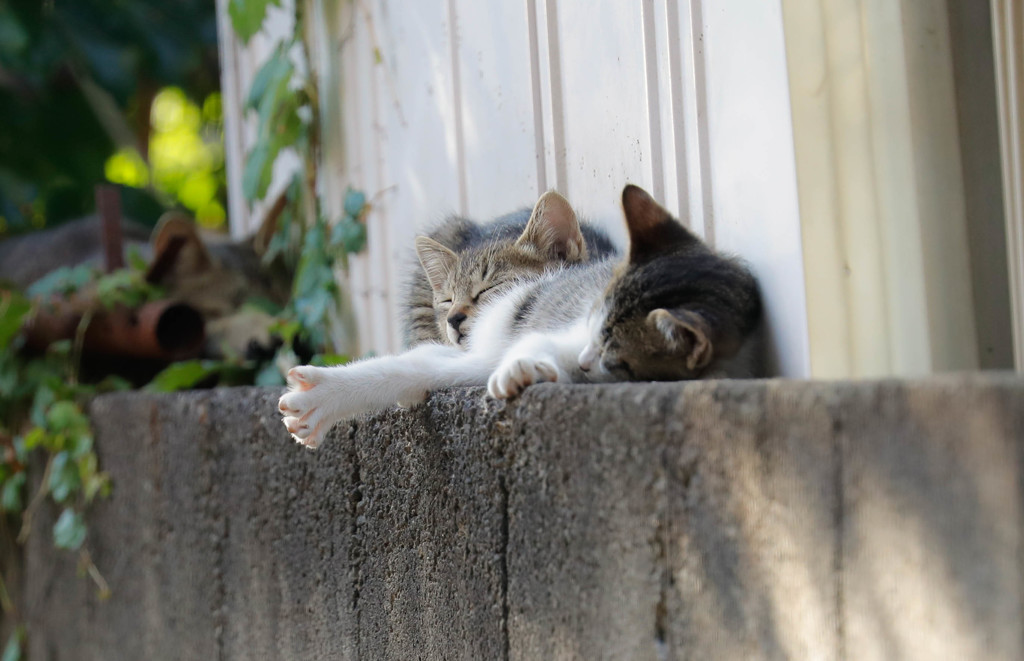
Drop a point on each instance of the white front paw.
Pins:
(512, 376)
(303, 406)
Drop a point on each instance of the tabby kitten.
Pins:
(674, 309)
(465, 265)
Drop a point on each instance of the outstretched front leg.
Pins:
(539, 358)
(319, 397)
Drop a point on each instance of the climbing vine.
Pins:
(42, 412)
(42, 397)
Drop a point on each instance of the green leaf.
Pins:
(258, 171)
(10, 497)
(97, 484)
(247, 16)
(271, 79)
(34, 438)
(40, 403)
(61, 348)
(354, 202)
(65, 416)
(269, 375)
(136, 261)
(349, 234)
(69, 531)
(14, 308)
(286, 330)
(62, 281)
(183, 375)
(64, 478)
(13, 648)
(124, 287)
(329, 359)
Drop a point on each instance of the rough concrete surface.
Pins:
(714, 520)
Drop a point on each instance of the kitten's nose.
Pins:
(455, 320)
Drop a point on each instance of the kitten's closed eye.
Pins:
(476, 297)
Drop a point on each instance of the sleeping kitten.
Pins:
(673, 309)
(466, 265)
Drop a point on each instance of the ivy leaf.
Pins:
(287, 330)
(136, 261)
(10, 497)
(271, 80)
(62, 281)
(269, 375)
(247, 16)
(13, 309)
(349, 234)
(69, 531)
(183, 375)
(98, 483)
(64, 479)
(40, 403)
(329, 359)
(34, 438)
(124, 287)
(354, 202)
(258, 171)
(65, 416)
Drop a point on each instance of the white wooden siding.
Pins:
(457, 106)
(1008, 32)
(477, 108)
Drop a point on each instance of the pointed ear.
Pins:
(686, 332)
(554, 230)
(437, 260)
(652, 229)
(178, 249)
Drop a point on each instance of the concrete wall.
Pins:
(729, 520)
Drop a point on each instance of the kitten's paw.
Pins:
(513, 376)
(302, 407)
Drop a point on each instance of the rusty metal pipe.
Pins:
(163, 330)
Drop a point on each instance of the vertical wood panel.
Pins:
(940, 187)
(495, 63)
(753, 170)
(1008, 35)
(700, 158)
(674, 115)
(552, 90)
(607, 127)
(881, 187)
(970, 31)
(358, 92)
(652, 65)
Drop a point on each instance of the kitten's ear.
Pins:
(178, 250)
(652, 229)
(554, 230)
(686, 332)
(436, 259)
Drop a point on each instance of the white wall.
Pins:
(478, 107)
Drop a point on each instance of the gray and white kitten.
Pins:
(466, 264)
(673, 309)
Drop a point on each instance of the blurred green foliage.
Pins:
(77, 84)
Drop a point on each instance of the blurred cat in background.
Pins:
(213, 274)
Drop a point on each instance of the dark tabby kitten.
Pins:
(674, 309)
(466, 264)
